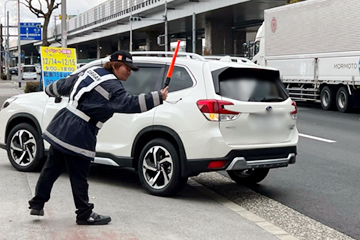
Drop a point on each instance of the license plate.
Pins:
(268, 122)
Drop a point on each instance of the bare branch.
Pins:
(51, 5)
(47, 4)
(38, 12)
(40, 4)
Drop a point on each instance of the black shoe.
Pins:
(94, 219)
(37, 212)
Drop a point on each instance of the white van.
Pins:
(29, 72)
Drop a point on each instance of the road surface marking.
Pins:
(317, 138)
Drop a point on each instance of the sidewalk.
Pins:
(135, 214)
(9, 87)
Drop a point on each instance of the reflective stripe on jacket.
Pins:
(94, 97)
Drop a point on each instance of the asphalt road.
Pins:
(324, 184)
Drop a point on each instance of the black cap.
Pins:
(124, 57)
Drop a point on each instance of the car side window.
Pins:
(146, 80)
(180, 79)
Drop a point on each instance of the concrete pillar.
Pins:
(124, 43)
(239, 40)
(219, 38)
(151, 42)
(198, 49)
(105, 49)
(81, 52)
(98, 50)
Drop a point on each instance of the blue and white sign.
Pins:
(30, 31)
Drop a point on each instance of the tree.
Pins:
(293, 1)
(38, 11)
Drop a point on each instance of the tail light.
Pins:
(294, 113)
(214, 110)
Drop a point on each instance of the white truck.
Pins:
(316, 46)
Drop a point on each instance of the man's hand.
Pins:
(164, 92)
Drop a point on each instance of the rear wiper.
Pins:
(272, 99)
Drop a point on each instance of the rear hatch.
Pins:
(29, 72)
(256, 106)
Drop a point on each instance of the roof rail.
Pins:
(165, 54)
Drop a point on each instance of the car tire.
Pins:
(159, 168)
(343, 100)
(25, 148)
(248, 176)
(327, 98)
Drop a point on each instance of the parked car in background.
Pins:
(219, 115)
(29, 72)
(13, 70)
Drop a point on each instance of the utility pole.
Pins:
(19, 47)
(7, 54)
(166, 28)
(63, 24)
(1, 48)
(131, 37)
(194, 33)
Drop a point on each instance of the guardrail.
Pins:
(111, 9)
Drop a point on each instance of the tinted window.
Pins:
(29, 69)
(147, 79)
(180, 79)
(253, 85)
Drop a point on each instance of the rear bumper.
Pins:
(245, 159)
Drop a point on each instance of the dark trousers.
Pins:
(78, 169)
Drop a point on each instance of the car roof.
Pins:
(228, 58)
(183, 58)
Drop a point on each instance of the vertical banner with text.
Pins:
(57, 63)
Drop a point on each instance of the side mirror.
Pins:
(245, 47)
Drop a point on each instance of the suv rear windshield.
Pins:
(251, 85)
(29, 69)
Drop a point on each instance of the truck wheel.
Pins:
(248, 176)
(327, 98)
(159, 168)
(25, 149)
(343, 101)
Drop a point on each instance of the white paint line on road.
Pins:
(261, 222)
(317, 138)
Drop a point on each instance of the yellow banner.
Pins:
(57, 63)
(55, 59)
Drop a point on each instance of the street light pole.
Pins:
(131, 37)
(19, 46)
(166, 28)
(7, 54)
(63, 24)
(6, 49)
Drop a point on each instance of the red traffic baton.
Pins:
(171, 68)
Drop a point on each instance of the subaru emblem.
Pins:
(268, 108)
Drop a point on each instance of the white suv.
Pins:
(29, 72)
(218, 115)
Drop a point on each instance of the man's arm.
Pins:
(61, 87)
(123, 102)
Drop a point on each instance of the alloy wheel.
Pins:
(23, 147)
(157, 167)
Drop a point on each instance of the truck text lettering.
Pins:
(345, 65)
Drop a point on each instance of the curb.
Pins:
(261, 222)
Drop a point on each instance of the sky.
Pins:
(73, 7)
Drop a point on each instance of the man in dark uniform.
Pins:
(94, 96)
